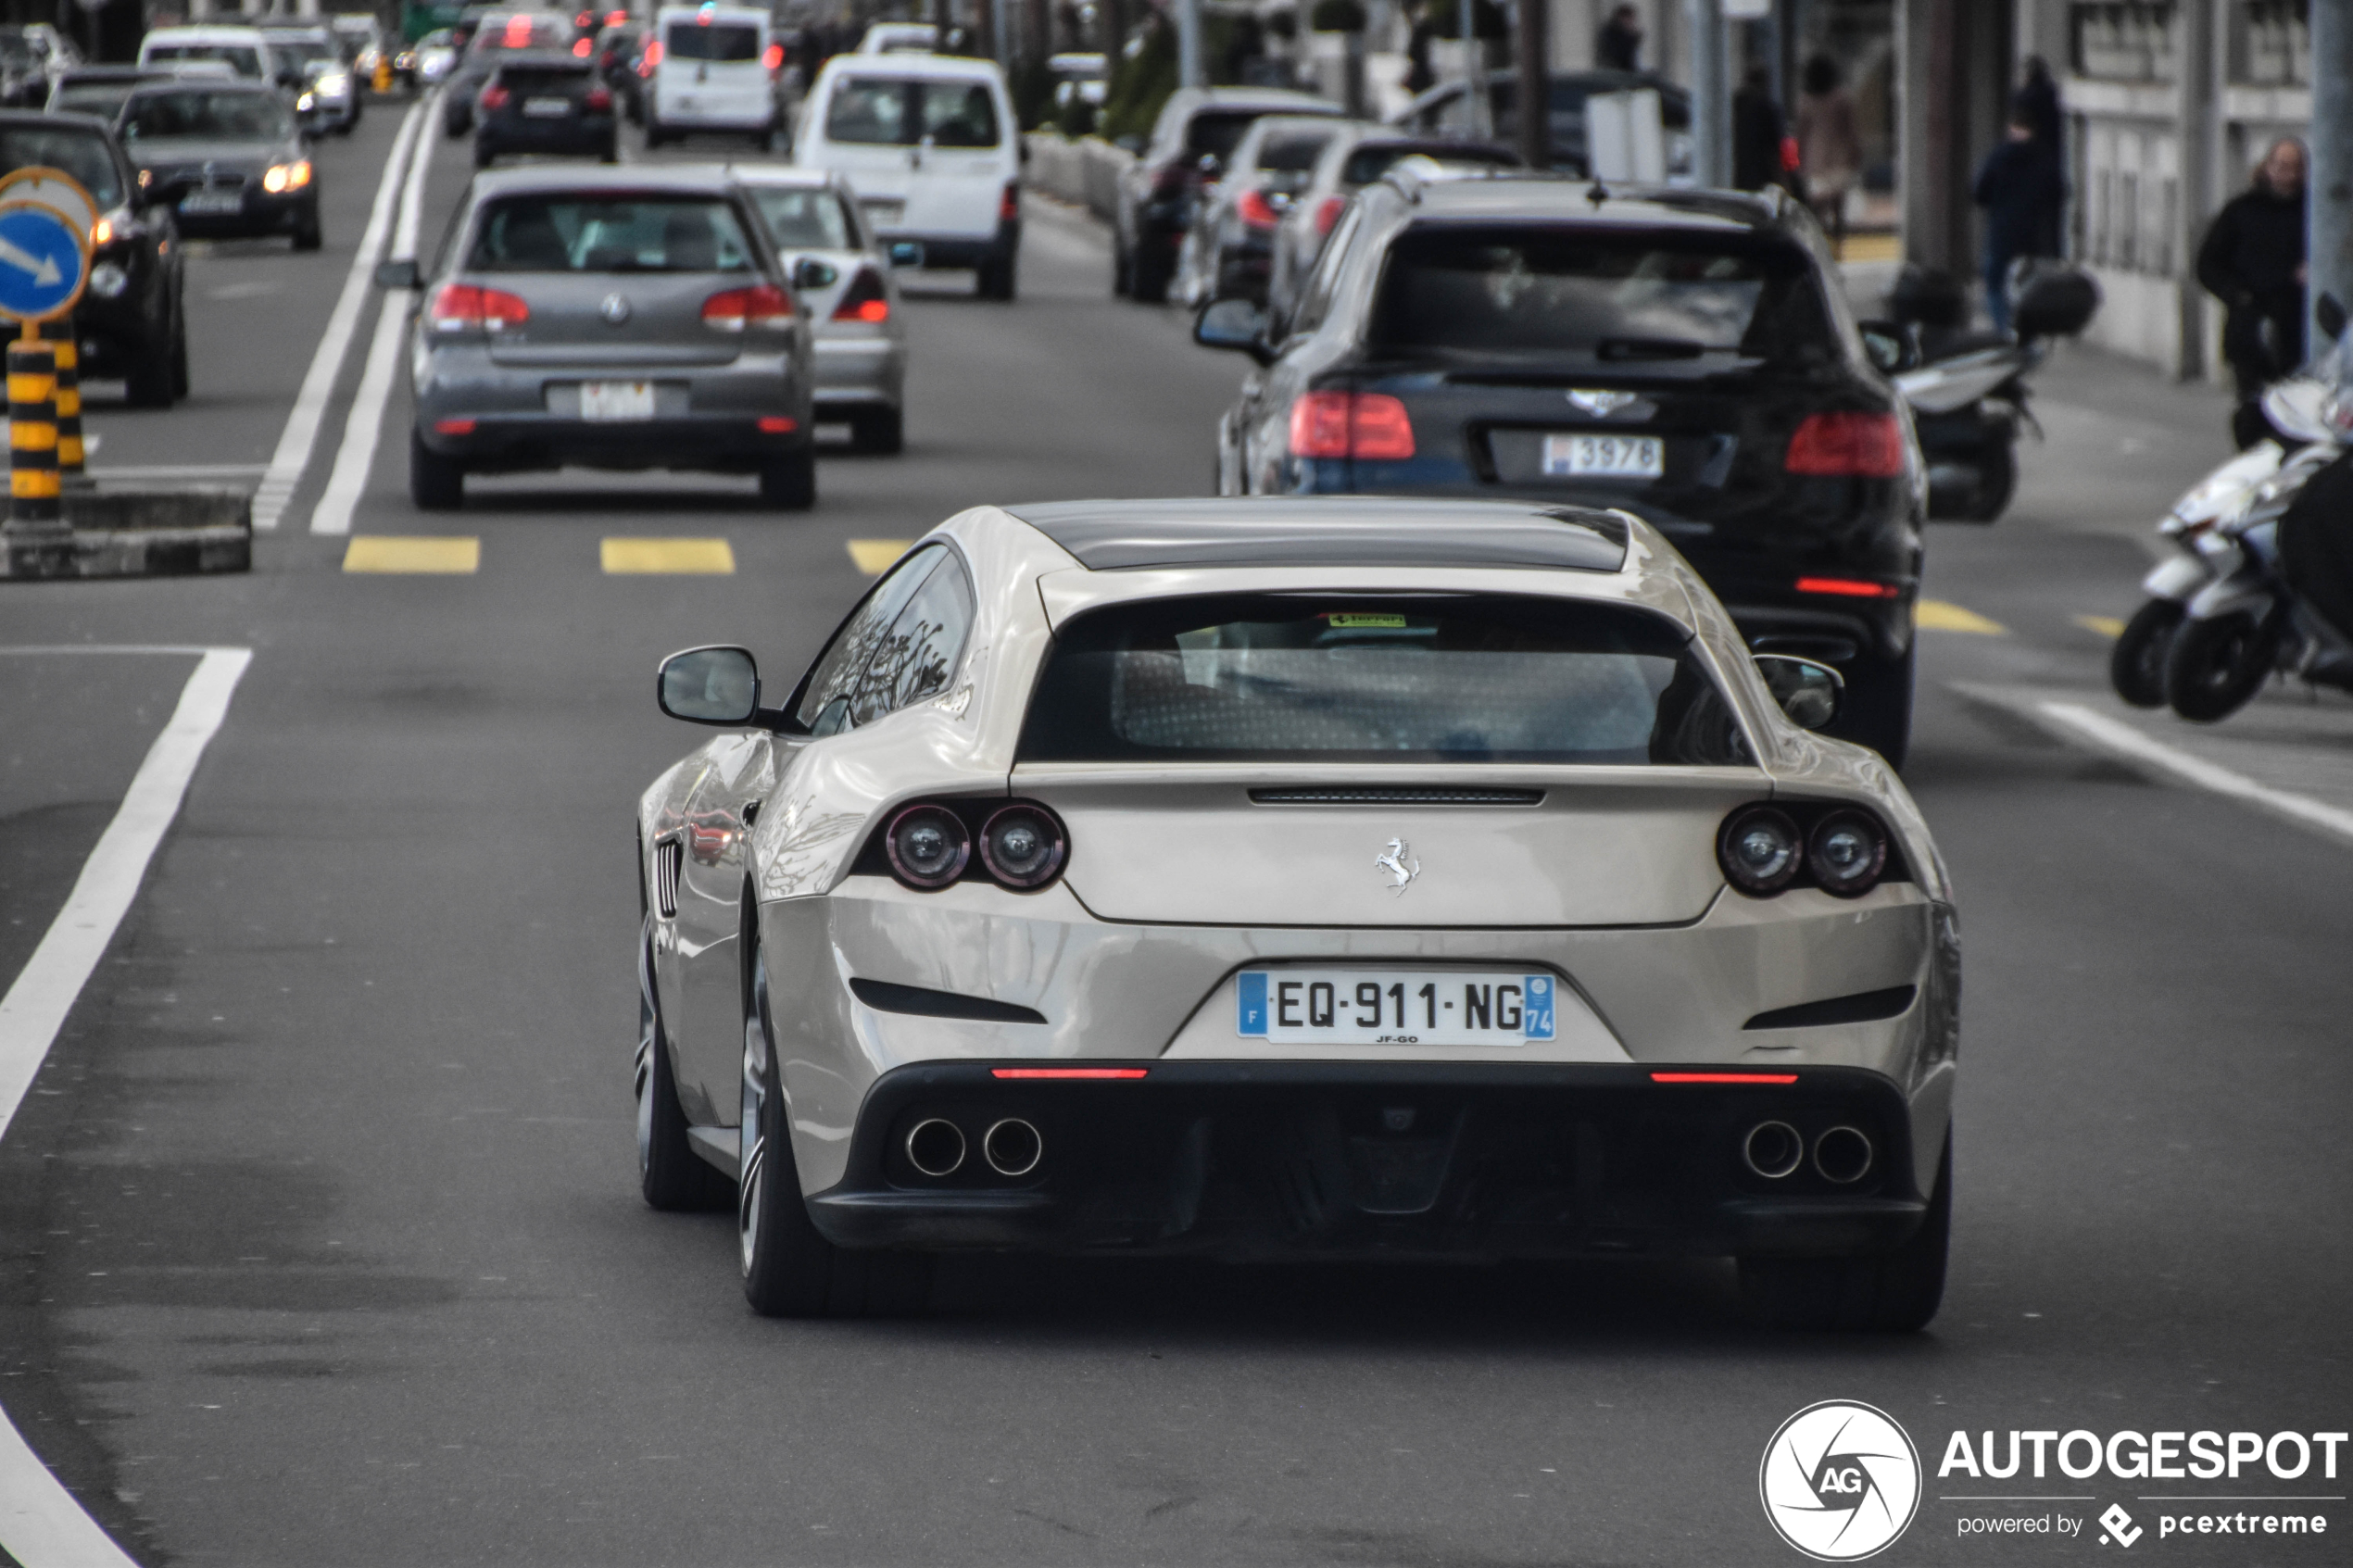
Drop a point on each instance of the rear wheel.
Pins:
(436, 484)
(484, 155)
(1894, 1292)
(1148, 273)
(654, 135)
(1996, 482)
(879, 430)
(789, 480)
(2137, 665)
(1119, 268)
(994, 278)
(2213, 666)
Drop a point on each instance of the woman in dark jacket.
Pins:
(2253, 262)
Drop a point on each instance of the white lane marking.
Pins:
(364, 427)
(412, 194)
(41, 1524)
(310, 404)
(2114, 736)
(172, 471)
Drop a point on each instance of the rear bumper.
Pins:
(1431, 1159)
(718, 443)
(961, 250)
(865, 370)
(509, 133)
(261, 214)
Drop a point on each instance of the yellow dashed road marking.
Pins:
(1935, 615)
(1871, 248)
(2106, 625)
(874, 555)
(412, 553)
(708, 557)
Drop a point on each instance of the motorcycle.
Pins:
(2218, 502)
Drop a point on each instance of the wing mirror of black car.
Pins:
(810, 273)
(714, 685)
(399, 274)
(1810, 694)
(1233, 323)
(906, 253)
(1893, 346)
(2328, 315)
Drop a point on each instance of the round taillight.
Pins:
(1846, 853)
(1023, 847)
(928, 847)
(1760, 849)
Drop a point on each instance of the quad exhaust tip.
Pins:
(1013, 1147)
(1773, 1149)
(1842, 1155)
(936, 1146)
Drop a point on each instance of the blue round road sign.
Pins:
(42, 262)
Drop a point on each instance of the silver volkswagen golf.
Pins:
(1355, 876)
(608, 318)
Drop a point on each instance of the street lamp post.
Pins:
(2330, 241)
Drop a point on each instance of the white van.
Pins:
(244, 50)
(714, 69)
(930, 143)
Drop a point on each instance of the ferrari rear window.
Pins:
(1421, 678)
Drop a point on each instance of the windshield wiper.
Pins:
(1649, 349)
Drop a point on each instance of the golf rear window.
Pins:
(1370, 678)
(1612, 294)
(716, 41)
(581, 232)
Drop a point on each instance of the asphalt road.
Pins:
(319, 1236)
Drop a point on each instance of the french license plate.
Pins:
(198, 202)
(1604, 457)
(883, 214)
(1387, 1006)
(545, 108)
(610, 402)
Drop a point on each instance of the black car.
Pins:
(1686, 356)
(1198, 128)
(227, 157)
(497, 36)
(130, 321)
(545, 104)
(620, 50)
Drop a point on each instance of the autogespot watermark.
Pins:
(1841, 1481)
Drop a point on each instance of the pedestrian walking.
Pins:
(2018, 186)
(1759, 134)
(2253, 262)
(2037, 99)
(1617, 45)
(1830, 150)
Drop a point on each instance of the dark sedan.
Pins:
(1685, 355)
(497, 38)
(228, 158)
(129, 321)
(1198, 129)
(545, 104)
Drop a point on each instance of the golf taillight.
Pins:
(1849, 445)
(928, 847)
(1760, 850)
(494, 96)
(731, 311)
(1327, 213)
(1024, 846)
(863, 300)
(580, 47)
(1253, 208)
(466, 308)
(1846, 852)
(1351, 425)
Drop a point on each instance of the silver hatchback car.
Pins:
(811, 215)
(612, 319)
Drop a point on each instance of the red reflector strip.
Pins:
(1723, 1077)
(777, 424)
(1847, 587)
(1067, 1071)
(453, 427)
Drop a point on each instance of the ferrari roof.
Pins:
(1336, 531)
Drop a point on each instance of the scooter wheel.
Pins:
(2215, 665)
(2136, 666)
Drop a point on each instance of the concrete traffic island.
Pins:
(134, 531)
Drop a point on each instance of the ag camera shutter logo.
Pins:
(1840, 1481)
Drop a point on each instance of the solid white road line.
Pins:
(2122, 740)
(364, 426)
(310, 404)
(41, 1524)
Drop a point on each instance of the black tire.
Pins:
(2213, 666)
(1877, 711)
(2137, 665)
(790, 1270)
(1119, 268)
(308, 234)
(654, 135)
(672, 1177)
(879, 430)
(484, 155)
(789, 482)
(148, 385)
(1996, 483)
(609, 153)
(436, 484)
(993, 279)
(1894, 1292)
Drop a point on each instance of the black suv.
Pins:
(545, 104)
(1198, 129)
(129, 321)
(1686, 356)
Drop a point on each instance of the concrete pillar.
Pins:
(2198, 91)
(2331, 245)
(1711, 92)
(1190, 70)
(1534, 59)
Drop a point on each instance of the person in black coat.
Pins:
(2018, 185)
(1617, 45)
(1758, 132)
(2253, 262)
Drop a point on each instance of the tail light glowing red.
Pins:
(1120, 1072)
(494, 96)
(1327, 213)
(1255, 209)
(773, 58)
(1351, 425)
(601, 99)
(465, 308)
(732, 310)
(1723, 1077)
(1847, 587)
(864, 299)
(1009, 205)
(1852, 446)
(778, 424)
(653, 58)
(580, 47)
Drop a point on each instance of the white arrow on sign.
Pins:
(43, 268)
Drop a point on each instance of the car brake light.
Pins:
(777, 424)
(580, 47)
(616, 19)
(600, 99)
(1328, 213)
(461, 307)
(494, 96)
(1847, 587)
(863, 300)
(517, 35)
(1723, 1077)
(1351, 425)
(1255, 209)
(653, 58)
(453, 427)
(1122, 1072)
(1009, 205)
(731, 311)
(1856, 446)
(773, 58)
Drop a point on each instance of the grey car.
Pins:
(812, 216)
(608, 318)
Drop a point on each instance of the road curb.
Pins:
(133, 532)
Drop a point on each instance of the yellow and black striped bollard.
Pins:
(67, 350)
(40, 544)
